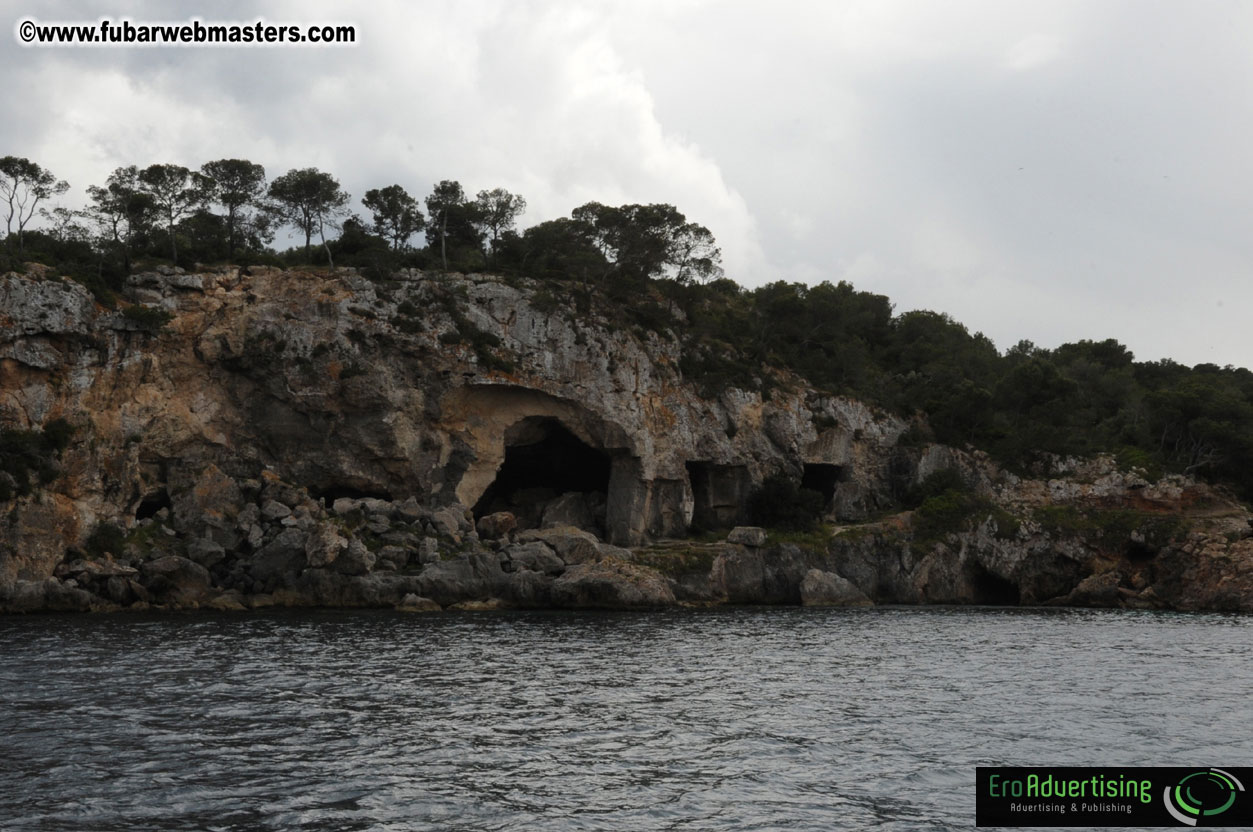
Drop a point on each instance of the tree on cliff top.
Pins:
(497, 211)
(397, 216)
(236, 185)
(649, 241)
(176, 191)
(121, 212)
(309, 199)
(23, 185)
(453, 224)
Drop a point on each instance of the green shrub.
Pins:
(933, 485)
(149, 318)
(28, 457)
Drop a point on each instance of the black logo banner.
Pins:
(1113, 796)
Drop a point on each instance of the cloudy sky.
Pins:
(1048, 170)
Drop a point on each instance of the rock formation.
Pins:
(294, 437)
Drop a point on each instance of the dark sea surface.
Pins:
(788, 719)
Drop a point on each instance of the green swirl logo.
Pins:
(1202, 794)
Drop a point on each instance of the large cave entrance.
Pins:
(719, 494)
(549, 475)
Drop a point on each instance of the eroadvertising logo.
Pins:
(1112, 796)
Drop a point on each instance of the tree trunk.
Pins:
(443, 240)
(322, 233)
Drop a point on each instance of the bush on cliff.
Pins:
(28, 457)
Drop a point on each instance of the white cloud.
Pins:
(1049, 170)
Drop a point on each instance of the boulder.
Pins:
(534, 556)
(465, 577)
(753, 536)
(428, 551)
(283, 557)
(229, 601)
(571, 545)
(416, 603)
(611, 584)
(393, 557)
(207, 502)
(48, 595)
(176, 580)
(408, 511)
(206, 551)
(496, 526)
(274, 510)
(1100, 590)
(355, 560)
(449, 520)
(324, 545)
(276, 489)
(607, 550)
(345, 505)
(529, 589)
(827, 589)
(570, 509)
(88, 570)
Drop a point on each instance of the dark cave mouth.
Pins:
(152, 503)
(544, 463)
(993, 590)
(823, 478)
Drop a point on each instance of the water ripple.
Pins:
(740, 719)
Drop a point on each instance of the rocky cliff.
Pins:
(251, 438)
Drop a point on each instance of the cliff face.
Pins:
(324, 438)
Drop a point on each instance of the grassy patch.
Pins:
(676, 561)
(1114, 526)
(815, 539)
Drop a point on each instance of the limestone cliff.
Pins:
(300, 437)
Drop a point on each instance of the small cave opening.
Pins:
(993, 590)
(334, 491)
(151, 503)
(1139, 551)
(823, 478)
(543, 463)
(719, 494)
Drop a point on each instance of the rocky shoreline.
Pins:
(320, 439)
(266, 543)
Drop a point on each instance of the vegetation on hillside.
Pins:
(649, 267)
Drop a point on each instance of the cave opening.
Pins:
(993, 590)
(153, 502)
(1139, 551)
(719, 494)
(549, 476)
(334, 491)
(823, 478)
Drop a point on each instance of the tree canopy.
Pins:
(454, 223)
(308, 199)
(175, 191)
(237, 185)
(23, 185)
(397, 216)
(647, 266)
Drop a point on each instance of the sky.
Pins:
(1048, 171)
